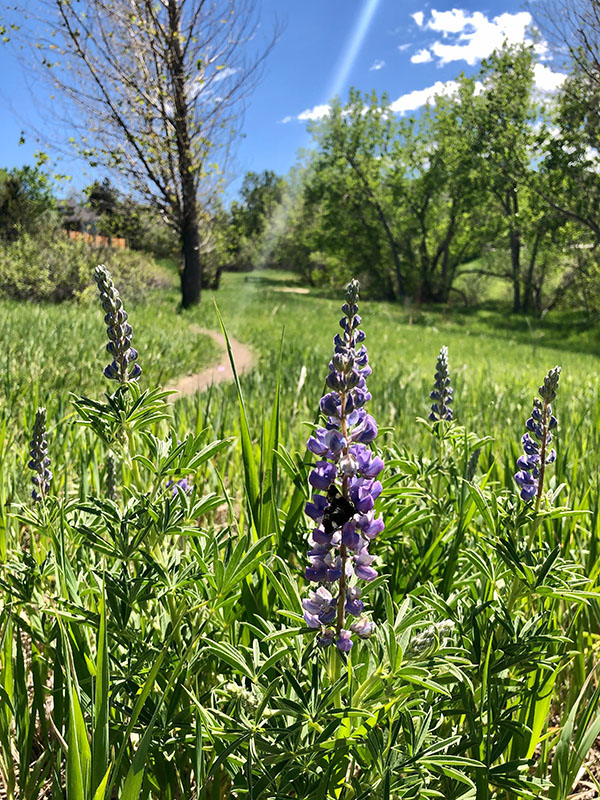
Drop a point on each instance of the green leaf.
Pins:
(100, 739)
(251, 478)
(79, 757)
(225, 652)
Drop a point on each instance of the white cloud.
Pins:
(418, 17)
(421, 57)
(377, 64)
(453, 21)
(316, 112)
(403, 47)
(413, 100)
(546, 80)
(221, 74)
(471, 37)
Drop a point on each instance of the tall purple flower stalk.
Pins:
(536, 456)
(39, 462)
(344, 480)
(442, 391)
(122, 368)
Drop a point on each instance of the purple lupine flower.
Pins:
(363, 628)
(323, 475)
(122, 368)
(442, 391)
(344, 479)
(326, 638)
(39, 461)
(183, 484)
(344, 641)
(354, 605)
(536, 455)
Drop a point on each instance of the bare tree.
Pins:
(154, 89)
(570, 164)
(572, 27)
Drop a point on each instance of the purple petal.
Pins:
(311, 620)
(344, 642)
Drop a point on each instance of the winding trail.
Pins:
(220, 372)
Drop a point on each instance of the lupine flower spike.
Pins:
(344, 478)
(442, 391)
(40, 462)
(532, 463)
(119, 331)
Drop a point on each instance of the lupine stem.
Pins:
(341, 602)
(540, 488)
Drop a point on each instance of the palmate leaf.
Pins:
(230, 655)
(169, 457)
(127, 409)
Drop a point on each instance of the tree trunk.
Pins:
(191, 272)
(528, 297)
(191, 275)
(515, 250)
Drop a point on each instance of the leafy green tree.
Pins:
(399, 199)
(349, 184)
(103, 197)
(438, 192)
(27, 203)
(504, 146)
(261, 194)
(569, 169)
(144, 227)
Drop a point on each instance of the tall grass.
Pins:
(152, 645)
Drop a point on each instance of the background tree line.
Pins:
(491, 181)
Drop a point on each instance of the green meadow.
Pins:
(152, 642)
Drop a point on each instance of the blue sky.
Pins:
(407, 48)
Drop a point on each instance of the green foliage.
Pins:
(166, 627)
(490, 170)
(53, 268)
(248, 219)
(143, 226)
(27, 204)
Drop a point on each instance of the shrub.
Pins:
(53, 268)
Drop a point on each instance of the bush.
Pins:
(54, 268)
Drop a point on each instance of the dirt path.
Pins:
(217, 373)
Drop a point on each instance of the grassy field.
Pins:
(497, 361)
(151, 640)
